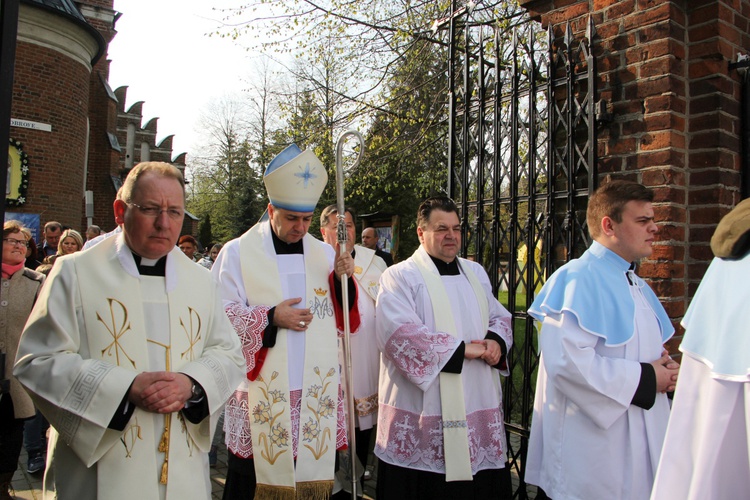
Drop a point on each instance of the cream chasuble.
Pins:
(455, 428)
(119, 309)
(268, 396)
(96, 325)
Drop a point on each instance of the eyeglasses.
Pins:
(16, 243)
(173, 213)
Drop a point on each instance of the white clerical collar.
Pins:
(125, 256)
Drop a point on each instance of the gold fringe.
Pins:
(314, 490)
(164, 472)
(273, 492)
(164, 441)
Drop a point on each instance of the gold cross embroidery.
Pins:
(116, 332)
(194, 335)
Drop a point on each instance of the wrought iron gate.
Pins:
(522, 161)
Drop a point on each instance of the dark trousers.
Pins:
(397, 483)
(11, 436)
(241, 479)
(34, 433)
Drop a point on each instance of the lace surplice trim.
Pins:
(414, 441)
(249, 323)
(419, 354)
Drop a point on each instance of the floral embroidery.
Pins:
(322, 407)
(263, 413)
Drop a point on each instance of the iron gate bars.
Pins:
(522, 164)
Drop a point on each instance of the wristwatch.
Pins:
(196, 393)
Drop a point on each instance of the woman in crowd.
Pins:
(19, 290)
(71, 241)
(208, 260)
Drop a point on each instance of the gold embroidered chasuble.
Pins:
(125, 324)
(455, 427)
(269, 395)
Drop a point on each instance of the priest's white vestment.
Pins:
(96, 325)
(368, 268)
(410, 432)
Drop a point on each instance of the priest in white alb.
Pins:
(444, 339)
(707, 449)
(130, 366)
(364, 347)
(601, 409)
(281, 289)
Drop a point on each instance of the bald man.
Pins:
(370, 240)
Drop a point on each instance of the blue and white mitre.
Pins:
(295, 180)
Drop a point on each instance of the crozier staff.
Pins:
(128, 364)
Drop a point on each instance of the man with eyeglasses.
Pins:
(130, 366)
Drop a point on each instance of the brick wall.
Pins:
(663, 70)
(51, 88)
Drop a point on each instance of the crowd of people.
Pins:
(120, 380)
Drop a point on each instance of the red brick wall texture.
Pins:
(663, 70)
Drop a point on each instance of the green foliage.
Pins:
(205, 235)
(406, 158)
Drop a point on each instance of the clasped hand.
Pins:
(160, 392)
(666, 370)
(486, 349)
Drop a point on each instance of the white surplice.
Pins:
(364, 345)
(413, 353)
(95, 298)
(587, 439)
(707, 448)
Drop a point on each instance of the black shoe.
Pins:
(36, 462)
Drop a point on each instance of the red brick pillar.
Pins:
(663, 72)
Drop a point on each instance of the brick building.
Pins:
(665, 71)
(74, 129)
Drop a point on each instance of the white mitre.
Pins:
(295, 180)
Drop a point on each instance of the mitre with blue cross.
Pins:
(295, 179)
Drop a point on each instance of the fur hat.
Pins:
(731, 240)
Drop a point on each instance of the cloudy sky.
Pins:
(164, 56)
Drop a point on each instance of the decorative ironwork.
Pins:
(522, 164)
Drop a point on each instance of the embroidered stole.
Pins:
(455, 428)
(153, 450)
(367, 271)
(269, 395)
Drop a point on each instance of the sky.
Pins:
(164, 56)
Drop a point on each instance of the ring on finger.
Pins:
(302, 324)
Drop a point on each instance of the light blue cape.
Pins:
(595, 289)
(717, 321)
